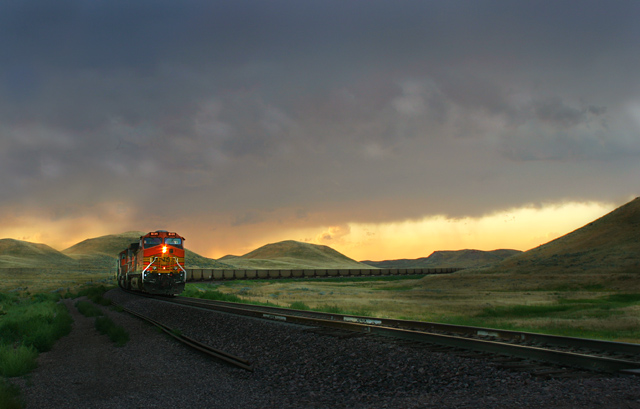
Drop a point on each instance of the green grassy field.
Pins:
(29, 324)
(604, 306)
(39, 280)
(600, 307)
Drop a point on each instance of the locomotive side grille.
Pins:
(167, 260)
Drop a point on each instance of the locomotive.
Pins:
(154, 264)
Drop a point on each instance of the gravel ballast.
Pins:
(293, 368)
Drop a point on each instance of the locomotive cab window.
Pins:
(173, 242)
(152, 241)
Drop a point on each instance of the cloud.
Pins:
(247, 218)
(556, 112)
(333, 235)
(307, 114)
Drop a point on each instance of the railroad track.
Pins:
(585, 354)
(204, 348)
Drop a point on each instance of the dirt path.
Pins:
(86, 370)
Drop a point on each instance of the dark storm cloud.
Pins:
(556, 111)
(246, 107)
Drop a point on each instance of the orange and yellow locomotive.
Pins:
(154, 265)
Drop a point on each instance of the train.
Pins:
(208, 274)
(154, 264)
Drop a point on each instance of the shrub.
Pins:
(332, 309)
(88, 309)
(94, 293)
(10, 396)
(624, 298)
(116, 333)
(299, 305)
(218, 296)
(37, 324)
(17, 361)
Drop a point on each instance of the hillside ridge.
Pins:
(292, 254)
(609, 243)
(97, 253)
(467, 258)
(19, 253)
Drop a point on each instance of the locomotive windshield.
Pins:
(152, 241)
(173, 242)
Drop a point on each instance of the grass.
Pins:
(37, 322)
(575, 287)
(396, 288)
(17, 361)
(220, 296)
(319, 280)
(42, 281)
(624, 298)
(88, 309)
(93, 292)
(334, 309)
(195, 292)
(29, 324)
(116, 333)
(608, 317)
(522, 311)
(601, 306)
(299, 305)
(104, 325)
(10, 397)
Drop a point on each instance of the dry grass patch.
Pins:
(590, 306)
(36, 280)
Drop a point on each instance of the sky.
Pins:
(383, 129)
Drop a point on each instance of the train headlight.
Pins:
(164, 249)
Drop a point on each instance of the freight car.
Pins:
(154, 264)
(207, 274)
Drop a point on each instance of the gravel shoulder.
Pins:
(293, 369)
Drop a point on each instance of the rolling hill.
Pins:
(109, 245)
(440, 259)
(23, 254)
(98, 253)
(290, 254)
(103, 251)
(608, 244)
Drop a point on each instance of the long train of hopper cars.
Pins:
(197, 274)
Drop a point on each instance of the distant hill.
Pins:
(95, 253)
(195, 260)
(21, 254)
(101, 252)
(608, 244)
(227, 257)
(292, 254)
(443, 259)
(104, 250)
(109, 245)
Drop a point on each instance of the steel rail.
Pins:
(528, 337)
(216, 353)
(377, 326)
